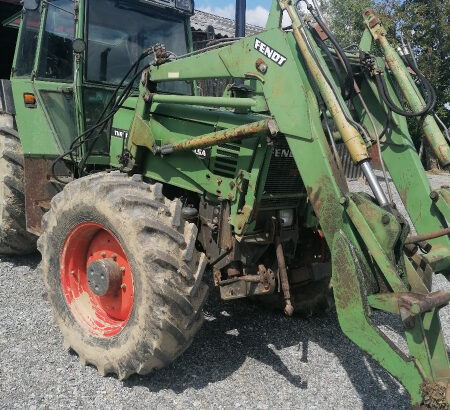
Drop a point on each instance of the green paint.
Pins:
(364, 249)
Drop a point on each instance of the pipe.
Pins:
(288, 309)
(240, 18)
(427, 236)
(205, 101)
(220, 137)
(367, 170)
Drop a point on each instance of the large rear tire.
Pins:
(14, 238)
(150, 316)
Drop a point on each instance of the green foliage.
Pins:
(423, 23)
(345, 18)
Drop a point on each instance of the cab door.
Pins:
(42, 84)
(54, 71)
(43, 69)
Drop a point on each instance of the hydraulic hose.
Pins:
(384, 93)
(349, 80)
(415, 101)
(423, 81)
(327, 52)
(101, 122)
(347, 129)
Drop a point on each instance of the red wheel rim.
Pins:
(102, 316)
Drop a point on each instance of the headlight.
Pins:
(286, 217)
(185, 5)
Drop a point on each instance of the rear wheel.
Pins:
(14, 238)
(122, 273)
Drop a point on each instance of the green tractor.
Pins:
(137, 186)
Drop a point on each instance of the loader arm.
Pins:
(370, 269)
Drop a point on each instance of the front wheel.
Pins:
(122, 273)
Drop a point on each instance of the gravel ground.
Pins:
(243, 357)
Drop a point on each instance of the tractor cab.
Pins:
(70, 62)
(71, 56)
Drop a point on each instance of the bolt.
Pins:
(385, 219)
(72, 272)
(122, 269)
(343, 200)
(261, 66)
(219, 181)
(103, 254)
(123, 286)
(232, 184)
(114, 256)
(434, 196)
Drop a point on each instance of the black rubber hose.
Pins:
(101, 122)
(121, 99)
(384, 93)
(349, 80)
(341, 105)
(423, 81)
(328, 54)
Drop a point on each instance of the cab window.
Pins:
(113, 45)
(56, 59)
(26, 51)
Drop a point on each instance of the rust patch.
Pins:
(40, 188)
(233, 134)
(316, 201)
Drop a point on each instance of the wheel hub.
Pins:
(96, 279)
(104, 276)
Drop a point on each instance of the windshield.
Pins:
(118, 32)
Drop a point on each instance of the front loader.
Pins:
(137, 186)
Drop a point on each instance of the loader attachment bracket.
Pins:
(427, 363)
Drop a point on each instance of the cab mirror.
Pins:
(31, 4)
(78, 46)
